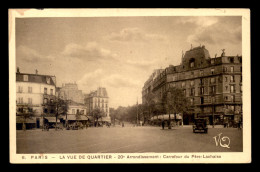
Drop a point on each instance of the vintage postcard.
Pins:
(129, 86)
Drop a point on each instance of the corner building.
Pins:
(98, 99)
(212, 85)
(34, 93)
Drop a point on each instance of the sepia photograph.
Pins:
(129, 85)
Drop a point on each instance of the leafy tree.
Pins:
(97, 113)
(61, 108)
(176, 102)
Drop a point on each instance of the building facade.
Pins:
(98, 99)
(34, 94)
(212, 85)
(70, 91)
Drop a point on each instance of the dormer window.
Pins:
(192, 63)
(231, 59)
(25, 78)
(212, 71)
(48, 80)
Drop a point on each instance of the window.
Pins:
(20, 89)
(48, 80)
(232, 69)
(212, 89)
(202, 100)
(45, 110)
(73, 111)
(29, 100)
(45, 90)
(192, 64)
(51, 91)
(231, 59)
(201, 73)
(232, 98)
(226, 88)
(192, 73)
(192, 83)
(174, 78)
(201, 90)
(183, 84)
(192, 101)
(241, 88)
(226, 78)
(20, 100)
(212, 80)
(25, 78)
(232, 78)
(29, 89)
(212, 71)
(201, 81)
(184, 92)
(241, 69)
(241, 78)
(232, 89)
(226, 98)
(192, 91)
(224, 69)
(45, 101)
(51, 100)
(52, 111)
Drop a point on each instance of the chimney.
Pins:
(36, 71)
(18, 71)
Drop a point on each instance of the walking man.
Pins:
(163, 125)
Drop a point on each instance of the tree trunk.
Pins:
(56, 122)
(169, 123)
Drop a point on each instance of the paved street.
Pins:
(126, 140)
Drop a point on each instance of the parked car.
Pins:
(200, 125)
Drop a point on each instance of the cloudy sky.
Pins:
(118, 53)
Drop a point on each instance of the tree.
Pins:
(97, 113)
(176, 102)
(27, 112)
(61, 108)
(149, 104)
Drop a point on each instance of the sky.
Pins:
(118, 53)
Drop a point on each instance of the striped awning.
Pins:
(74, 118)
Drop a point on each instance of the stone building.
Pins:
(34, 94)
(98, 99)
(70, 91)
(212, 85)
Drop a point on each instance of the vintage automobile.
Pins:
(200, 125)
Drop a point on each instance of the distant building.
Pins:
(34, 93)
(98, 99)
(70, 91)
(212, 85)
(76, 112)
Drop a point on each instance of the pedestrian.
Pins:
(163, 125)
(123, 124)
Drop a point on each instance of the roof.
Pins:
(36, 78)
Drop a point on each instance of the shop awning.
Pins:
(52, 119)
(20, 119)
(166, 116)
(73, 118)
